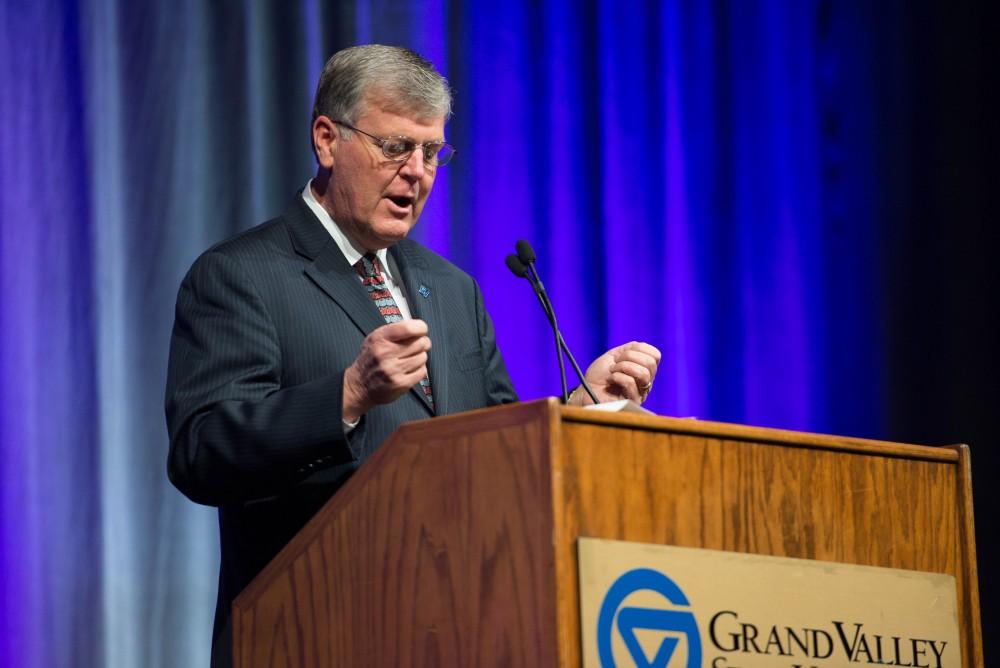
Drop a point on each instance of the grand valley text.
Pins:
(841, 641)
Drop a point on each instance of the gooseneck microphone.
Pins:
(522, 265)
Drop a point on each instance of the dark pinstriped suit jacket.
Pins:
(266, 323)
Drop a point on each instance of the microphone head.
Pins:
(525, 253)
(516, 266)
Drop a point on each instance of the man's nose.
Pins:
(413, 167)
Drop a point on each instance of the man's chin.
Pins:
(391, 230)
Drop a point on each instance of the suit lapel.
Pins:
(329, 269)
(424, 302)
(340, 281)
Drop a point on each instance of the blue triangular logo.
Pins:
(630, 619)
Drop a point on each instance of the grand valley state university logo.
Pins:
(759, 611)
(675, 623)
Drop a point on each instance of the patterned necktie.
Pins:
(370, 270)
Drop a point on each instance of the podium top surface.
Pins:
(550, 408)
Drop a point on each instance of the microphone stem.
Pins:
(562, 369)
(561, 346)
(576, 368)
(543, 299)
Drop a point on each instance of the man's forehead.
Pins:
(377, 103)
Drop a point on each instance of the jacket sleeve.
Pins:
(499, 388)
(236, 433)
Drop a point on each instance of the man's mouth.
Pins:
(401, 201)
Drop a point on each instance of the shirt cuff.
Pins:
(349, 426)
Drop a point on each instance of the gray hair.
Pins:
(402, 76)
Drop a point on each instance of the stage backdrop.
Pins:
(788, 198)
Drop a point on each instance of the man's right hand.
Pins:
(393, 358)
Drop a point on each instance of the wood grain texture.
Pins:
(456, 543)
(758, 491)
(969, 585)
(438, 552)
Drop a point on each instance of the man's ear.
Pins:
(325, 137)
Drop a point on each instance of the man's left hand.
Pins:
(624, 372)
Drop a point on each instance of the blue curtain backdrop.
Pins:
(790, 199)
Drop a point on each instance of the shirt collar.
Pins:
(351, 252)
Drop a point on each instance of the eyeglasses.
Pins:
(399, 148)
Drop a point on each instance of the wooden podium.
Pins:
(455, 544)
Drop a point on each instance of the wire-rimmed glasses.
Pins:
(399, 148)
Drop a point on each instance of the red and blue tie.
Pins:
(370, 270)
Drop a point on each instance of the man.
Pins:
(301, 344)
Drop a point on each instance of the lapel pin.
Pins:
(424, 291)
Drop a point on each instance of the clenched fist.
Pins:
(624, 372)
(393, 358)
